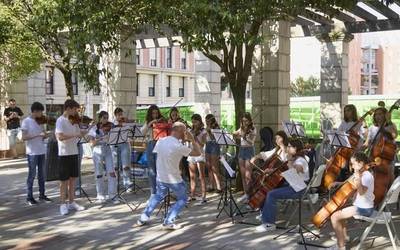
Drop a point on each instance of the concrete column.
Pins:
(120, 87)
(334, 78)
(270, 83)
(207, 86)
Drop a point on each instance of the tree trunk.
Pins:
(239, 98)
(68, 82)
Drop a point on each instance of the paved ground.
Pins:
(42, 227)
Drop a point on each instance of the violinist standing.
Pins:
(212, 153)
(247, 134)
(153, 116)
(124, 151)
(68, 134)
(33, 134)
(363, 204)
(102, 157)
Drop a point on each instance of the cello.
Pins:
(342, 155)
(338, 200)
(383, 150)
(266, 182)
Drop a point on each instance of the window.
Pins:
(49, 80)
(138, 56)
(137, 83)
(153, 57)
(96, 90)
(182, 88)
(183, 59)
(74, 82)
(168, 89)
(169, 57)
(152, 89)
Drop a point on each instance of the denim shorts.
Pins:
(367, 212)
(212, 148)
(246, 153)
(12, 136)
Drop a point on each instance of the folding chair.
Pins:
(314, 183)
(382, 216)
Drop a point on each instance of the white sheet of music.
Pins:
(228, 168)
(294, 179)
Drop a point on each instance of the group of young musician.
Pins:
(196, 144)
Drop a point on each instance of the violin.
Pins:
(106, 127)
(339, 199)
(80, 120)
(46, 120)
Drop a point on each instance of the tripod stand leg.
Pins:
(85, 194)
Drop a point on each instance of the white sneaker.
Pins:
(259, 217)
(265, 228)
(63, 209)
(244, 198)
(171, 226)
(144, 219)
(115, 201)
(100, 199)
(75, 206)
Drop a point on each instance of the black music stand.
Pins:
(134, 133)
(296, 129)
(117, 136)
(226, 199)
(338, 138)
(79, 188)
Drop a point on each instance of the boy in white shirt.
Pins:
(33, 134)
(68, 135)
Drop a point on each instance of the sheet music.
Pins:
(223, 138)
(294, 179)
(293, 128)
(118, 135)
(228, 168)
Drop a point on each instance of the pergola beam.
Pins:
(383, 9)
(317, 17)
(360, 12)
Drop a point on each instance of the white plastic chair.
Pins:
(383, 217)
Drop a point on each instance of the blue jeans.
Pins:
(179, 189)
(33, 162)
(151, 164)
(367, 212)
(269, 207)
(124, 151)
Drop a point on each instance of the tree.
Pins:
(18, 55)
(227, 32)
(305, 87)
(73, 35)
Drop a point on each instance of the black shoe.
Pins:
(31, 201)
(44, 199)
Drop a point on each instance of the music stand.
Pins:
(296, 130)
(338, 138)
(117, 136)
(79, 188)
(134, 132)
(226, 199)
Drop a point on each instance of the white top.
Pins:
(147, 132)
(67, 147)
(303, 162)
(345, 126)
(367, 199)
(199, 138)
(169, 152)
(36, 145)
(373, 130)
(247, 140)
(267, 154)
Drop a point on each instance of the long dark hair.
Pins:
(266, 136)
(149, 116)
(384, 110)
(284, 136)
(354, 115)
(197, 117)
(247, 115)
(299, 145)
(172, 110)
(99, 117)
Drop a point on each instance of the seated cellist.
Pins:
(380, 118)
(281, 142)
(296, 160)
(363, 204)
